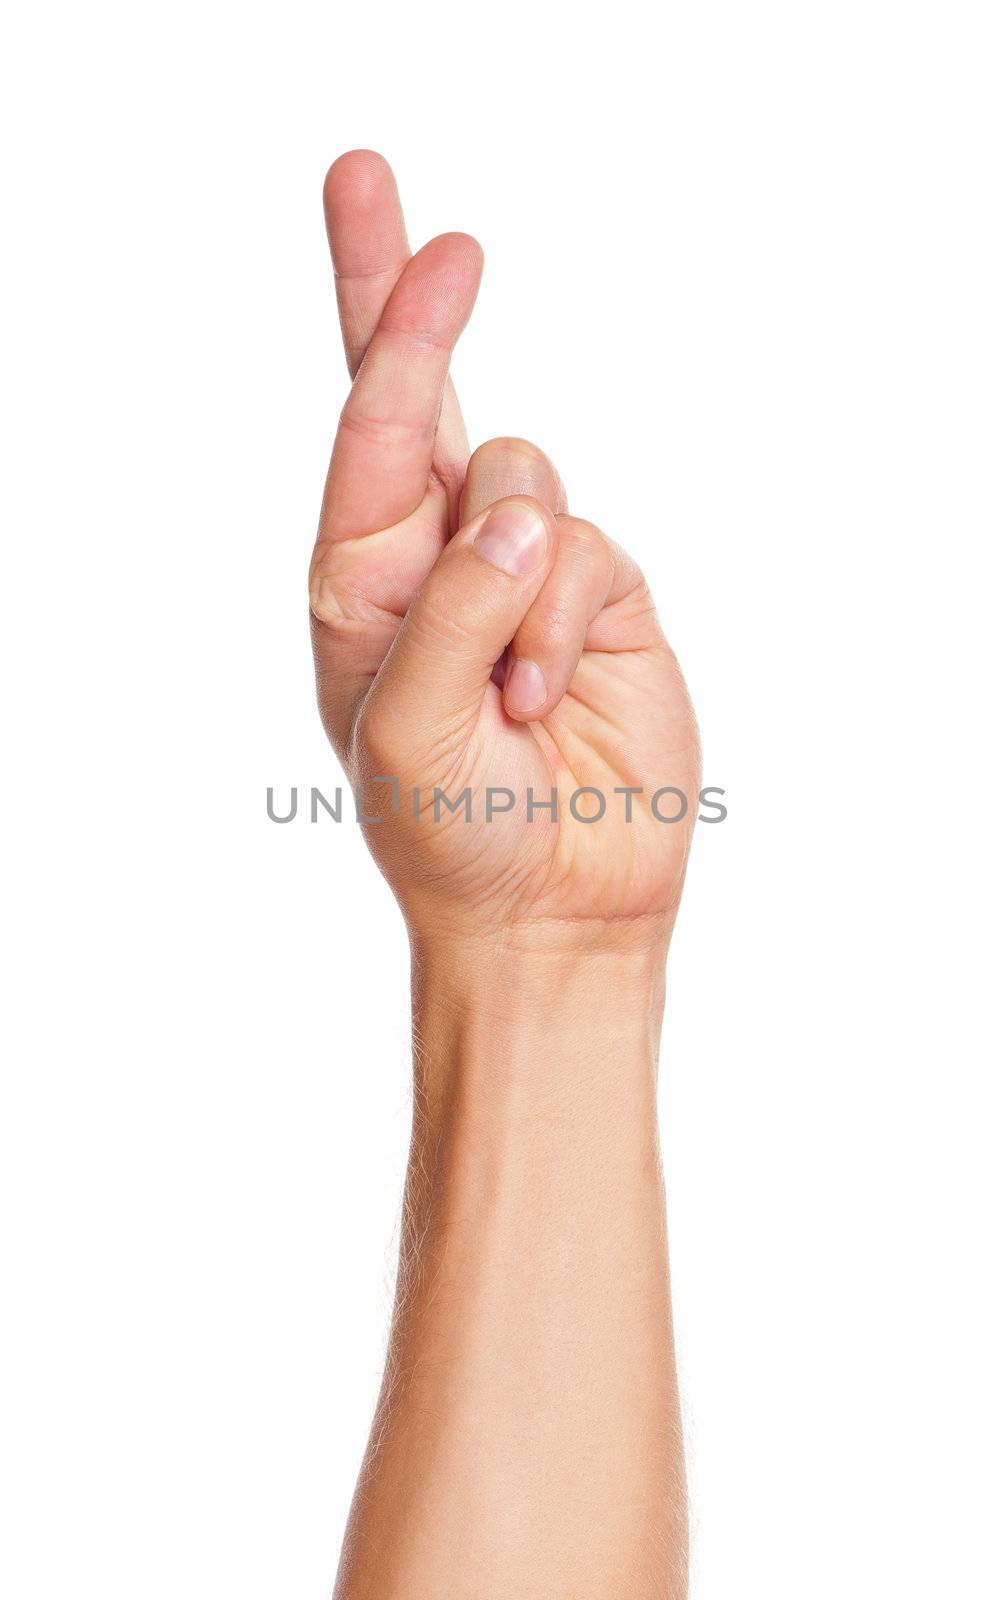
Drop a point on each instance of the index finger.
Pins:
(368, 242)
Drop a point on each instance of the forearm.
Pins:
(528, 1438)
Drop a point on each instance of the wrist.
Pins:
(502, 1026)
(514, 982)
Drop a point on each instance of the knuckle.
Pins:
(584, 538)
(336, 621)
(591, 553)
(388, 432)
(323, 601)
(377, 734)
(549, 624)
(350, 636)
(507, 445)
(326, 596)
(436, 623)
(338, 599)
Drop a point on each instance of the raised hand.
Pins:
(482, 656)
(474, 639)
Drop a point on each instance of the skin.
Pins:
(470, 632)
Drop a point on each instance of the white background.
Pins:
(734, 286)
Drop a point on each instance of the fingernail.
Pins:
(526, 688)
(514, 539)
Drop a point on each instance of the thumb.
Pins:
(435, 677)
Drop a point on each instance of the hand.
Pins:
(471, 635)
